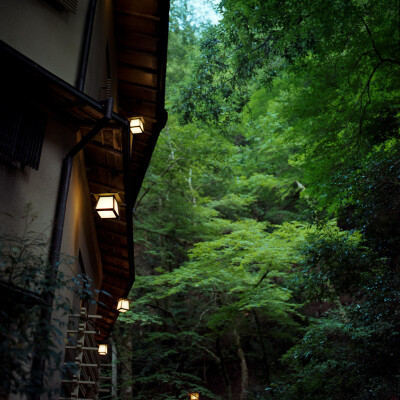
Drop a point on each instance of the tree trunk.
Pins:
(228, 388)
(126, 371)
(263, 351)
(114, 371)
(191, 187)
(243, 366)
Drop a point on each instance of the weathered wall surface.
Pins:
(102, 56)
(40, 189)
(50, 37)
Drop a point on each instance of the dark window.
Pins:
(61, 5)
(21, 133)
(71, 5)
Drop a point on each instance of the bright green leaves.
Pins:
(291, 112)
(249, 248)
(332, 71)
(245, 269)
(141, 318)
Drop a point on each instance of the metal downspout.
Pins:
(38, 364)
(86, 45)
(126, 143)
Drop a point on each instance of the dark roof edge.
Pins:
(90, 101)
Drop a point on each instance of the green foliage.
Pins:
(371, 198)
(329, 67)
(186, 312)
(352, 352)
(267, 232)
(24, 280)
(335, 263)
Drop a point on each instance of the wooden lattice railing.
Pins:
(82, 367)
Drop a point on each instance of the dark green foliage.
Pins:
(336, 263)
(352, 352)
(371, 199)
(268, 231)
(24, 279)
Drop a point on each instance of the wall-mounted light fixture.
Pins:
(194, 396)
(107, 205)
(103, 349)
(136, 125)
(123, 305)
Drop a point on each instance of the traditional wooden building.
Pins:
(74, 75)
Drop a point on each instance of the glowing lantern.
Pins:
(194, 396)
(123, 305)
(136, 125)
(107, 205)
(103, 349)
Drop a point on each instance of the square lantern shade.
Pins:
(136, 125)
(107, 205)
(103, 349)
(123, 305)
(194, 396)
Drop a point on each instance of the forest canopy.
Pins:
(267, 231)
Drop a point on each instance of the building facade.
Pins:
(74, 74)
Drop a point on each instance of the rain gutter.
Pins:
(86, 45)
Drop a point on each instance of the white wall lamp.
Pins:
(123, 305)
(136, 125)
(107, 205)
(103, 349)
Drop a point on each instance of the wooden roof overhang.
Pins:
(141, 29)
(141, 35)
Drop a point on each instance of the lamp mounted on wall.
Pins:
(107, 205)
(123, 305)
(194, 396)
(103, 349)
(136, 125)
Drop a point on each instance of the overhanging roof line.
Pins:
(137, 14)
(126, 148)
(51, 78)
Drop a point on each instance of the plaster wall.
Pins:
(40, 189)
(79, 229)
(102, 66)
(49, 36)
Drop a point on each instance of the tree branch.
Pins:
(372, 39)
(181, 241)
(153, 183)
(366, 90)
(261, 279)
(381, 59)
(179, 328)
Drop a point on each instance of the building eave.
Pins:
(141, 30)
(141, 73)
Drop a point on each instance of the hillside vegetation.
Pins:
(267, 232)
